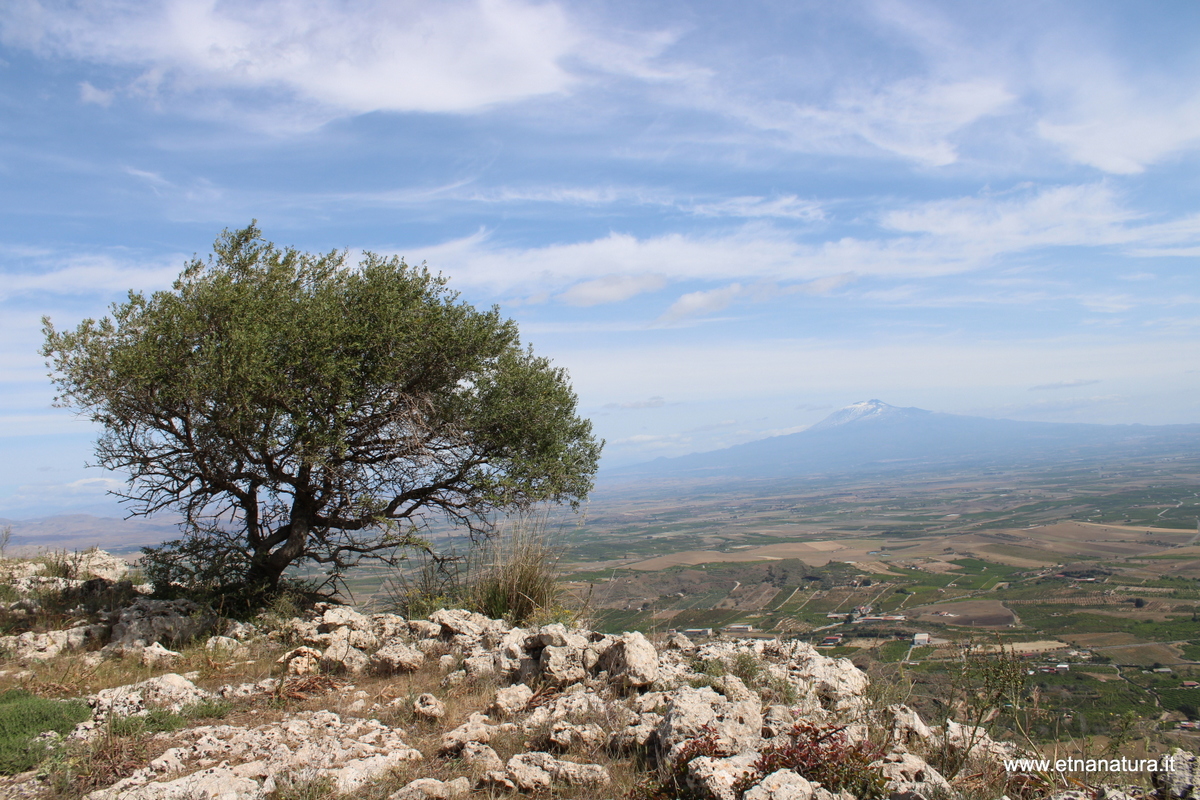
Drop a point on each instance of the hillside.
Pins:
(151, 699)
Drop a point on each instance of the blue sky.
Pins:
(725, 220)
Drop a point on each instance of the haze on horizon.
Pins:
(724, 222)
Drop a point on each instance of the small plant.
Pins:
(23, 717)
(207, 709)
(747, 666)
(155, 721)
(821, 753)
(303, 786)
(671, 782)
(511, 575)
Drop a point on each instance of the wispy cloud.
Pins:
(653, 402)
(1063, 384)
(390, 56)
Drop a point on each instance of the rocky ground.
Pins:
(337, 703)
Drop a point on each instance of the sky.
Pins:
(724, 220)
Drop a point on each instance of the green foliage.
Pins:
(294, 409)
(154, 721)
(22, 717)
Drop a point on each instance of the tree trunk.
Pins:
(267, 567)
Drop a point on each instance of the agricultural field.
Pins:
(1094, 567)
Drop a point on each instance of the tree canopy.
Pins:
(294, 408)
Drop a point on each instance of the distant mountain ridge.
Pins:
(875, 436)
(81, 531)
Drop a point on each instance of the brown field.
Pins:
(1144, 654)
(969, 613)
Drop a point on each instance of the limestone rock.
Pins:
(147, 621)
(630, 660)
(395, 658)
(475, 729)
(785, 784)
(511, 700)
(906, 772)
(301, 661)
(343, 617)
(341, 656)
(690, 712)
(432, 789)
(533, 772)
(717, 776)
(1181, 781)
(172, 692)
(155, 655)
(30, 646)
(561, 666)
(427, 706)
(480, 758)
(224, 647)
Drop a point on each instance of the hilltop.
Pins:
(333, 702)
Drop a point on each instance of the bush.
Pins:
(822, 754)
(512, 575)
(24, 716)
(671, 783)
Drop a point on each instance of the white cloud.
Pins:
(695, 304)
(921, 240)
(373, 55)
(914, 118)
(90, 94)
(91, 275)
(787, 207)
(611, 289)
(1106, 118)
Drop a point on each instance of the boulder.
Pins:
(717, 776)
(156, 656)
(906, 772)
(171, 692)
(785, 784)
(480, 758)
(535, 772)
(511, 700)
(561, 666)
(341, 656)
(395, 658)
(475, 729)
(692, 712)
(147, 621)
(224, 647)
(432, 789)
(630, 660)
(1181, 779)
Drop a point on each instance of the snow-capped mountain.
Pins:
(866, 411)
(874, 436)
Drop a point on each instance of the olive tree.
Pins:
(293, 408)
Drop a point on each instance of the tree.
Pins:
(295, 409)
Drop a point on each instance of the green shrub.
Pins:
(24, 716)
(512, 575)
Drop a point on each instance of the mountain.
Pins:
(81, 531)
(875, 436)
